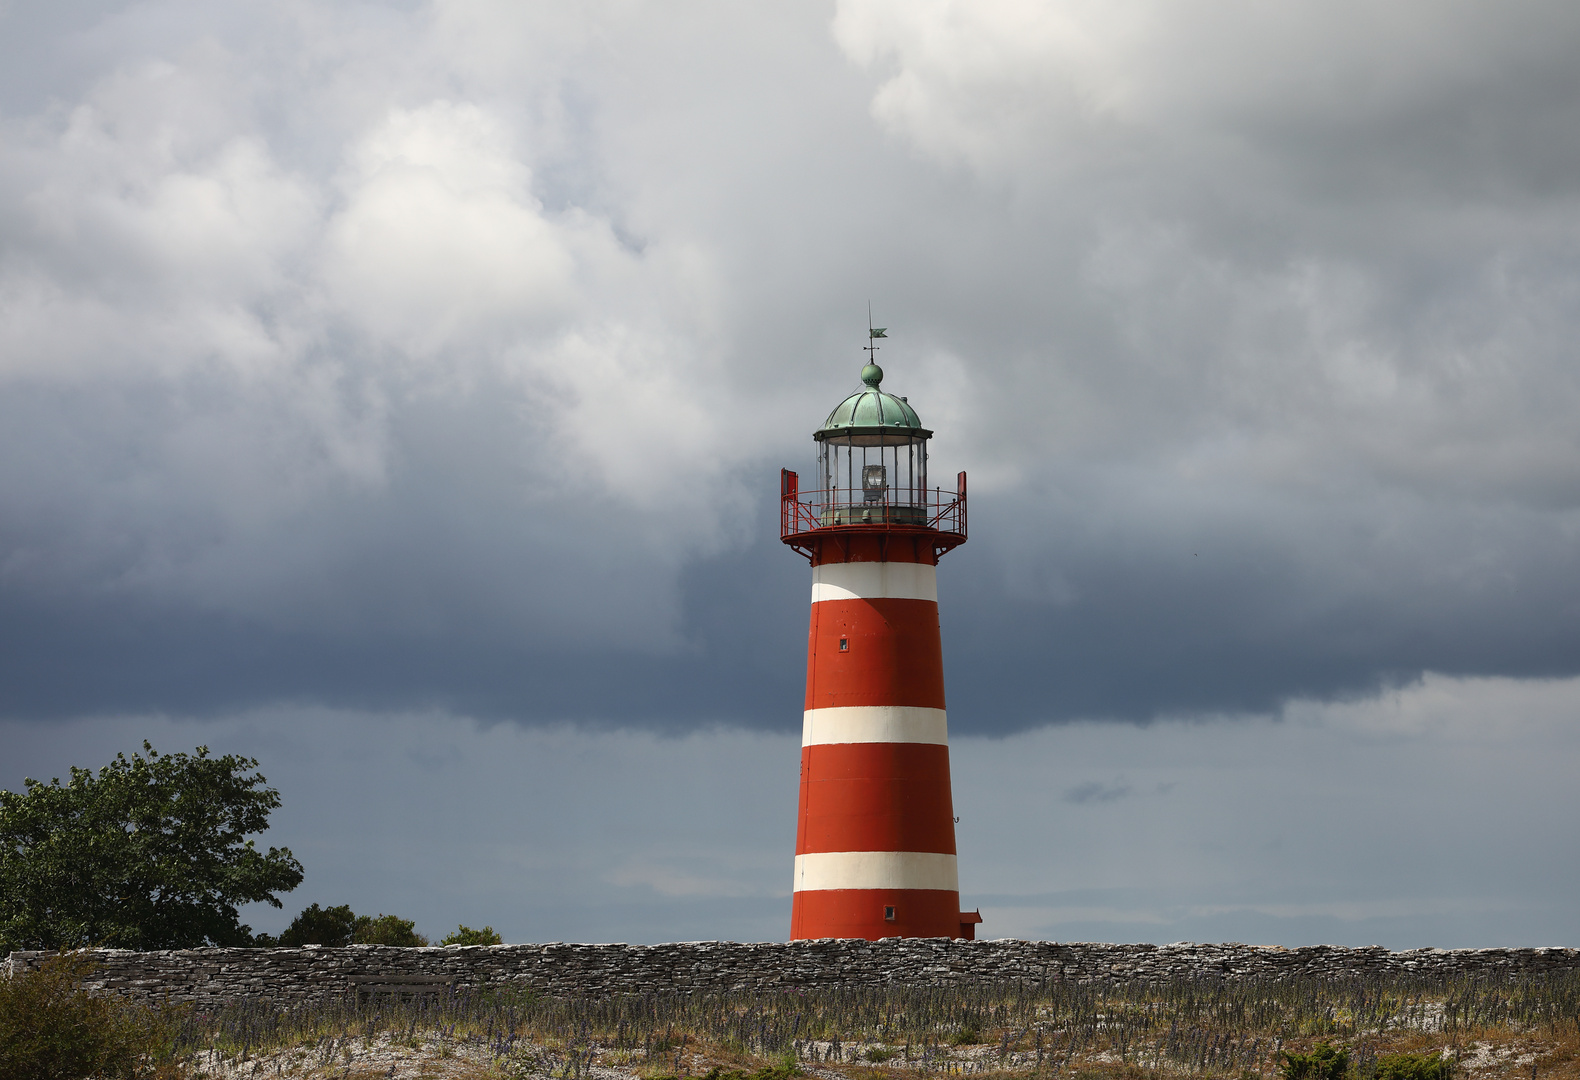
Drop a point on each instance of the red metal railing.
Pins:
(934, 509)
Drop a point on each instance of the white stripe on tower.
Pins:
(874, 724)
(876, 870)
(874, 581)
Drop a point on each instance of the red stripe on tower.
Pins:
(875, 835)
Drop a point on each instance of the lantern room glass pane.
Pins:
(873, 477)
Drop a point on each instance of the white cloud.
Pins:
(993, 83)
(441, 243)
(1317, 233)
(289, 321)
(1493, 714)
(1006, 83)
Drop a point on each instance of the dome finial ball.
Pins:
(872, 375)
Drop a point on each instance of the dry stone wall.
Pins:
(215, 976)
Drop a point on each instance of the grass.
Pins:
(1385, 1028)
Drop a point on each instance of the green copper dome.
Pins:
(872, 413)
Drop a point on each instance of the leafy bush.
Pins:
(1323, 1062)
(52, 1029)
(1413, 1067)
(148, 853)
(465, 935)
(320, 926)
(341, 926)
(386, 930)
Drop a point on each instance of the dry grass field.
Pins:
(1123, 1031)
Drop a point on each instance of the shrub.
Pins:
(465, 935)
(1413, 1067)
(787, 1069)
(1323, 1062)
(386, 930)
(320, 926)
(52, 1029)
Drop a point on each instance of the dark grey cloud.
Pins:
(737, 656)
(1085, 629)
(1097, 791)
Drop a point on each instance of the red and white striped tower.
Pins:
(875, 837)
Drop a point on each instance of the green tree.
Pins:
(340, 926)
(387, 930)
(149, 853)
(321, 926)
(465, 935)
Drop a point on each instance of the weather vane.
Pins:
(873, 333)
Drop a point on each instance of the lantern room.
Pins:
(872, 459)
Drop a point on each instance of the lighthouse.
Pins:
(875, 831)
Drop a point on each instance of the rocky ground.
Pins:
(441, 1058)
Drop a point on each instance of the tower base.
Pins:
(875, 913)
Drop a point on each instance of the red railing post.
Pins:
(789, 487)
(960, 501)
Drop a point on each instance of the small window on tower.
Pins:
(844, 645)
(888, 914)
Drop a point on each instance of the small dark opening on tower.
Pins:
(844, 645)
(888, 914)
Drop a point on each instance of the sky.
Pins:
(395, 393)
